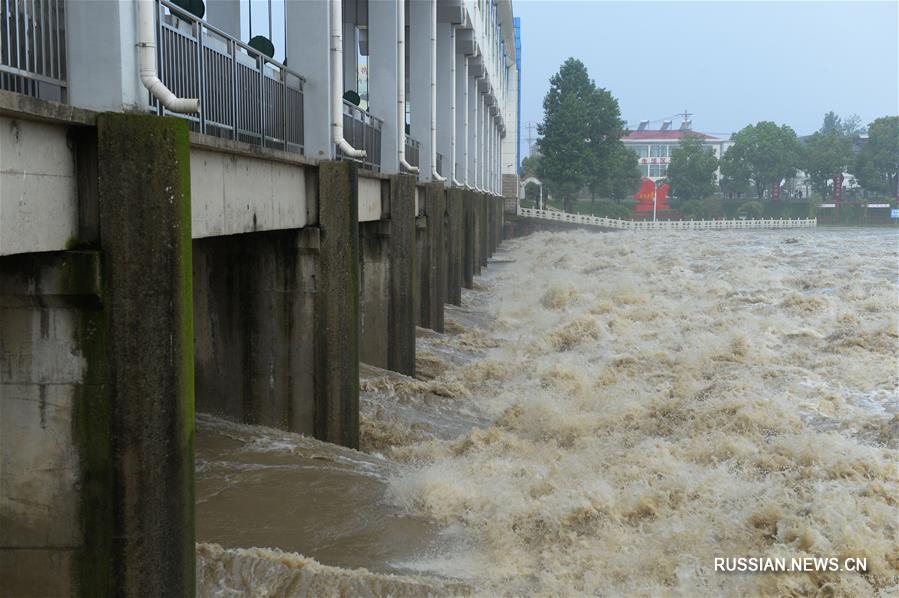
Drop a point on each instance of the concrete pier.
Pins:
(432, 263)
(337, 306)
(192, 269)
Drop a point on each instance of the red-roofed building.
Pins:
(654, 147)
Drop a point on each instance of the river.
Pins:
(606, 415)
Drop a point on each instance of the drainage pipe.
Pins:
(434, 174)
(149, 75)
(401, 88)
(337, 82)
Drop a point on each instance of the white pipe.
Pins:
(465, 124)
(477, 129)
(401, 88)
(434, 174)
(337, 82)
(149, 75)
(453, 172)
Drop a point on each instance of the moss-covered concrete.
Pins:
(337, 306)
(401, 318)
(145, 236)
(454, 219)
(434, 263)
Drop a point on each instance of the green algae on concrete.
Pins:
(145, 237)
(337, 306)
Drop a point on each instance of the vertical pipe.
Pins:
(401, 88)
(435, 175)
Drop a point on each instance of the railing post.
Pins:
(235, 112)
(201, 74)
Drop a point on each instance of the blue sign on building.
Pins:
(894, 213)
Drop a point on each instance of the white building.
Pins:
(654, 147)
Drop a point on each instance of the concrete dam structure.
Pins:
(188, 225)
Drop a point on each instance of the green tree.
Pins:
(825, 156)
(566, 131)
(751, 209)
(833, 122)
(691, 172)
(605, 130)
(624, 173)
(765, 152)
(877, 165)
(530, 165)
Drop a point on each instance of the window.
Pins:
(644, 170)
(656, 151)
(640, 150)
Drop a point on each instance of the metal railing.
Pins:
(362, 131)
(616, 223)
(244, 95)
(33, 48)
(413, 151)
(440, 164)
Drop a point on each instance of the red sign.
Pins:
(648, 193)
(838, 187)
(775, 191)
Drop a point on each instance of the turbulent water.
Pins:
(606, 414)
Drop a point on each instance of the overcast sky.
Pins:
(729, 63)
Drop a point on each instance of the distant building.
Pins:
(654, 147)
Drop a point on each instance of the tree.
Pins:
(566, 130)
(605, 129)
(825, 156)
(530, 165)
(691, 171)
(764, 153)
(877, 164)
(848, 127)
(624, 173)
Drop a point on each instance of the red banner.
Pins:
(838, 188)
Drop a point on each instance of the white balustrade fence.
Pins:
(769, 223)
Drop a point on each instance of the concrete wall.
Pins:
(52, 407)
(235, 193)
(38, 200)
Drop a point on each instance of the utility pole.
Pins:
(530, 126)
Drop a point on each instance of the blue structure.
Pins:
(517, 24)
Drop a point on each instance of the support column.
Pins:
(382, 82)
(224, 14)
(145, 236)
(308, 44)
(445, 54)
(433, 271)
(418, 92)
(401, 316)
(470, 239)
(484, 229)
(454, 243)
(337, 306)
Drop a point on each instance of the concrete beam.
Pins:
(337, 307)
(145, 236)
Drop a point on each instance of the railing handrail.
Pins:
(178, 12)
(548, 214)
(361, 115)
